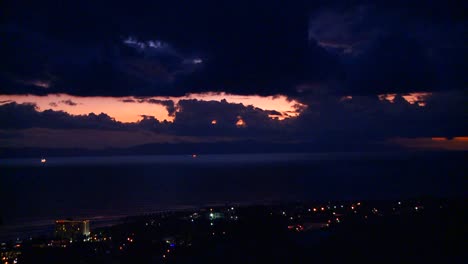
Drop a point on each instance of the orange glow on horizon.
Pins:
(112, 106)
(442, 143)
(132, 110)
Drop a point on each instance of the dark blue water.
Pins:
(107, 188)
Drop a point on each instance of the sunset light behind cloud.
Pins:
(131, 109)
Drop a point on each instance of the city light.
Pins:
(297, 224)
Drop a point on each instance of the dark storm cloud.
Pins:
(169, 104)
(222, 118)
(96, 49)
(36, 63)
(192, 118)
(368, 118)
(330, 121)
(396, 46)
(314, 52)
(20, 116)
(241, 47)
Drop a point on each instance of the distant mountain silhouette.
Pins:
(233, 147)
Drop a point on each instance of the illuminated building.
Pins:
(214, 216)
(69, 229)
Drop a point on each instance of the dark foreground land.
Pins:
(419, 231)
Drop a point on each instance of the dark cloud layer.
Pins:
(398, 46)
(331, 119)
(193, 118)
(20, 116)
(222, 118)
(366, 117)
(316, 52)
(241, 47)
(169, 104)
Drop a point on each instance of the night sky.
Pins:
(118, 74)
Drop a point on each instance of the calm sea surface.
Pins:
(107, 188)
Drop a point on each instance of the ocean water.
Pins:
(107, 188)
